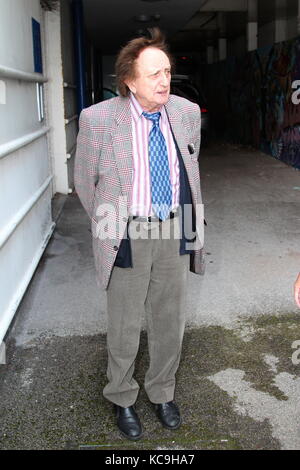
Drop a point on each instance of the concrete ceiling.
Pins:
(110, 23)
(189, 24)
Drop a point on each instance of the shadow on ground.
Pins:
(51, 391)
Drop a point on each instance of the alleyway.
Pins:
(237, 385)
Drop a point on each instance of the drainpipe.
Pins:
(79, 54)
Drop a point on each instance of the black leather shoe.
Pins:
(168, 414)
(128, 422)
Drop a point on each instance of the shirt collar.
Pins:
(137, 110)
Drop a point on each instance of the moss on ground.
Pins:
(61, 404)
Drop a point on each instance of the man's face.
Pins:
(151, 86)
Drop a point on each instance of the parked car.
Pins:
(108, 93)
(182, 85)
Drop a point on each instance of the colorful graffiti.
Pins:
(250, 100)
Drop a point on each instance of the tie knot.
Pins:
(154, 117)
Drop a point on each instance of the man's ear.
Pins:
(131, 85)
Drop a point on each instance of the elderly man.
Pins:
(137, 176)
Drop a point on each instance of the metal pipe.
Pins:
(71, 118)
(69, 85)
(16, 144)
(7, 72)
(71, 152)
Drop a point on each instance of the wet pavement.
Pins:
(237, 385)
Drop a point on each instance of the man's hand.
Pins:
(297, 290)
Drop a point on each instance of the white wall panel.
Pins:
(15, 32)
(25, 174)
(22, 173)
(20, 256)
(21, 102)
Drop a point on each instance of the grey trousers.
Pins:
(155, 285)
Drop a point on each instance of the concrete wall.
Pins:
(266, 32)
(278, 28)
(25, 169)
(273, 24)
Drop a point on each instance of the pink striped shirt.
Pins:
(141, 192)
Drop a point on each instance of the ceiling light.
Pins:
(146, 18)
(141, 32)
(156, 17)
(143, 18)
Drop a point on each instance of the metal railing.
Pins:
(9, 229)
(16, 144)
(7, 72)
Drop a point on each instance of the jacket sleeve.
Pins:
(86, 163)
(197, 130)
(197, 259)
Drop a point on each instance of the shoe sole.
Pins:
(131, 438)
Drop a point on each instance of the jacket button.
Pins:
(116, 248)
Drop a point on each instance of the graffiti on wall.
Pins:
(258, 99)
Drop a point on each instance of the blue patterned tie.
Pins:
(161, 189)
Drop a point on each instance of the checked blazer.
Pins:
(103, 172)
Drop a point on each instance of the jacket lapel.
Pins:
(178, 129)
(122, 145)
(183, 140)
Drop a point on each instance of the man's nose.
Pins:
(165, 80)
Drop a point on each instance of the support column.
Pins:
(80, 55)
(280, 21)
(222, 48)
(222, 36)
(210, 54)
(252, 26)
(54, 92)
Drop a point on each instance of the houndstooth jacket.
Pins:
(104, 170)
